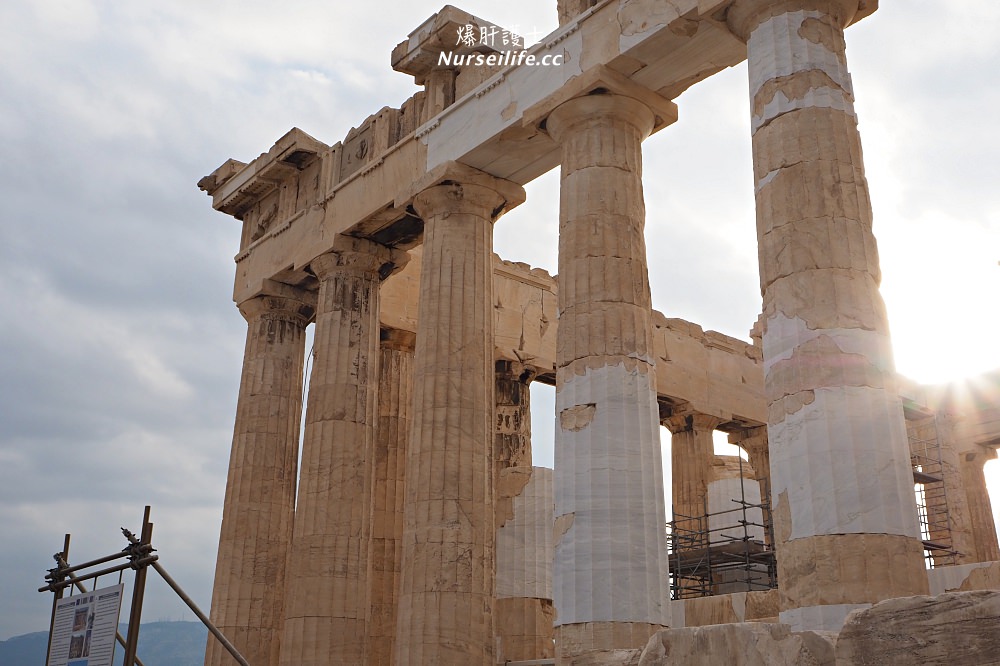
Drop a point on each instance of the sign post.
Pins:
(84, 628)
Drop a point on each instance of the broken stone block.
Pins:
(952, 628)
(744, 644)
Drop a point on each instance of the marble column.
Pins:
(692, 454)
(447, 585)
(523, 608)
(512, 437)
(841, 482)
(248, 596)
(512, 444)
(754, 442)
(984, 531)
(610, 569)
(395, 397)
(327, 603)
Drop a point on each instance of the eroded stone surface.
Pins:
(747, 644)
(248, 598)
(326, 608)
(949, 629)
(395, 397)
(610, 563)
(448, 563)
(839, 461)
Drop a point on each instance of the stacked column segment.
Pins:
(841, 483)
(248, 596)
(610, 558)
(447, 585)
(328, 585)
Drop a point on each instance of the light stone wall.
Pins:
(964, 578)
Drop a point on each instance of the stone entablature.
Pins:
(299, 195)
(696, 370)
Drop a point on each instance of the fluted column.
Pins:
(984, 531)
(328, 564)
(513, 415)
(248, 596)
(610, 574)
(754, 442)
(523, 609)
(395, 397)
(447, 586)
(841, 483)
(692, 454)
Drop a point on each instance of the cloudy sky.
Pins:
(122, 348)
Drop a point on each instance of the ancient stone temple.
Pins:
(418, 531)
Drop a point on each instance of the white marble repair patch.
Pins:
(525, 543)
(778, 51)
(611, 563)
(768, 177)
(676, 616)
(786, 334)
(843, 465)
(823, 98)
(950, 579)
(819, 618)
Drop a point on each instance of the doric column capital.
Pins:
(744, 16)
(516, 370)
(358, 255)
(979, 455)
(693, 422)
(281, 301)
(452, 198)
(748, 437)
(397, 338)
(595, 110)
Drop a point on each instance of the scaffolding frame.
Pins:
(930, 488)
(140, 555)
(702, 558)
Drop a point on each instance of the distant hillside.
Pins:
(160, 644)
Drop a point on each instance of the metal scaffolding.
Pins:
(721, 552)
(930, 488)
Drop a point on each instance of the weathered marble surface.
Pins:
(949, 629)
(745, 644)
